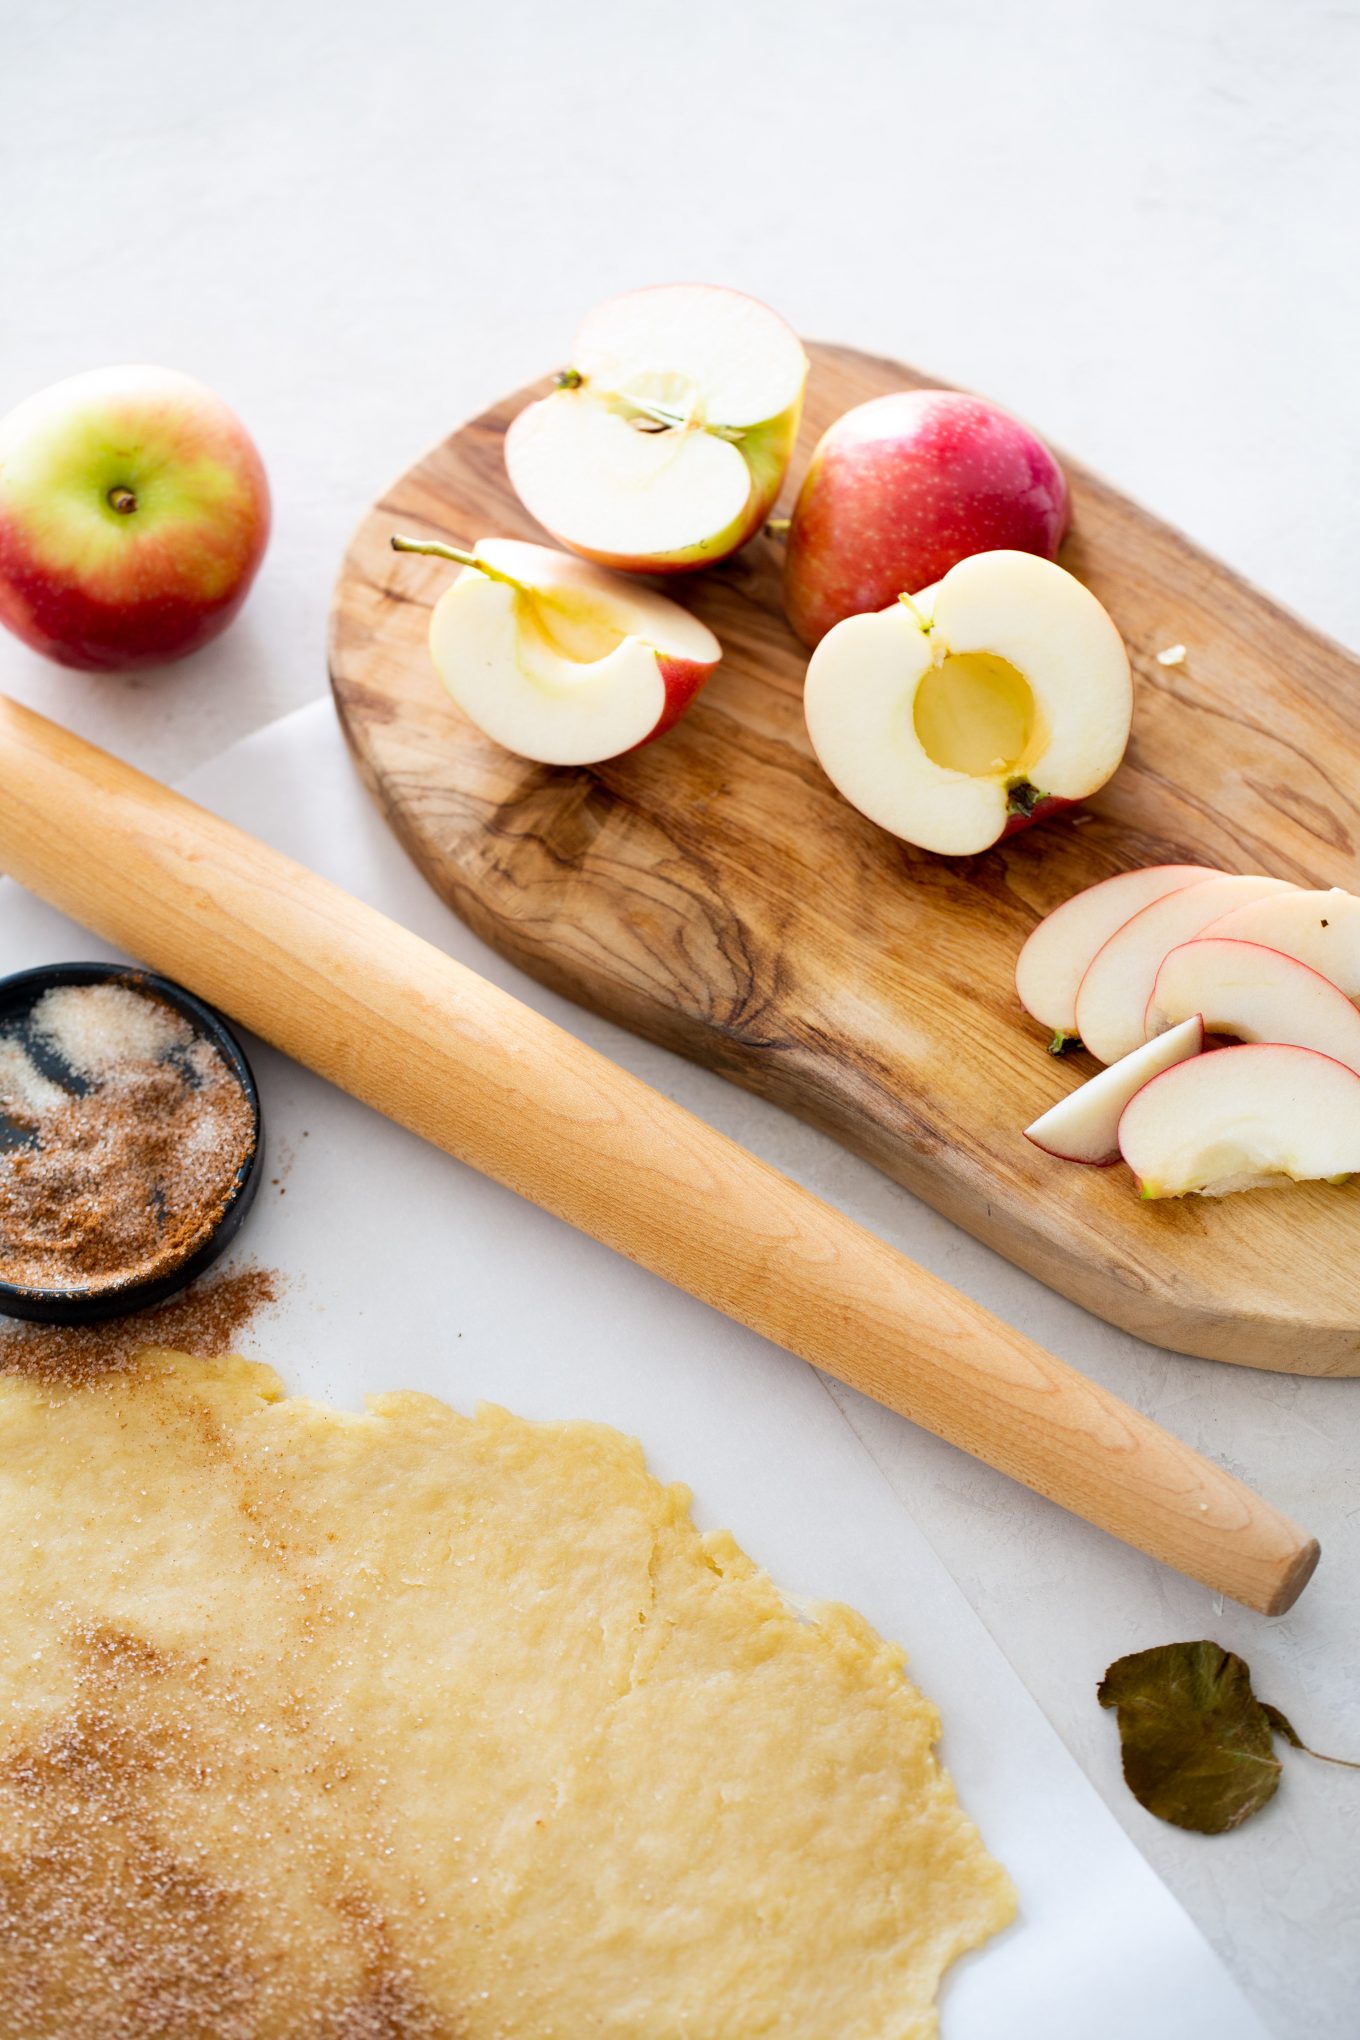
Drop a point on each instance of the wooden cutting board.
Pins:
(716, 894)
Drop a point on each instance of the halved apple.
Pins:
(1322, 929)
(557, 660)
(962, 713)
(1243, 1119)
(1056, 957)
(1254, 994)
(665, 444)
(1112, 998)
(1084, 1126)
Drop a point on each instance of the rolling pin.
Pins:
(400, 1025)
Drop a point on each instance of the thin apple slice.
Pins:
(1322, 929)
(1058, 953)
(1254, 994)
(1243, 1119)
(1084, 1126)
(1112, 998)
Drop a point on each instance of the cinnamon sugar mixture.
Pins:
(126, 1133)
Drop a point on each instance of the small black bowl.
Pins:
(19, 994)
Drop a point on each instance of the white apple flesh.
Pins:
(1254, 994)
(1058, 953)
(1322, 929)
(1243, 1119)
(973, 708)
(667, 441)
(1112, 998)
(557, 660)
(1084, 1127)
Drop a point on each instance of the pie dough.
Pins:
(404, 1725)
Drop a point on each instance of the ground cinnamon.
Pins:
(205, 1319)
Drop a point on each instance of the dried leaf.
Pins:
(1197, 1744)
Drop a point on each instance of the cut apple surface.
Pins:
(667, 440)
(1058, 953)
(1112, 998)
(1242, 1119)
(1084, 1127)
(973, 708)
(1321, 929)
(559, 661)
(1254, 994)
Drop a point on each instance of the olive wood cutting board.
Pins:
(713, 892)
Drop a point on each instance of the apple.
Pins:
(1254, 994)
(1242, 1119)
(1322, 929)
(666, 442)
(1084, 1126)
(1058, 952)
(904, 487)
(1112, 998)
(967, 711)
(557, 660)
(134, 512)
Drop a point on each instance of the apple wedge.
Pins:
(1322, 929)
(666, 442)
(965, 712)
(1058, 953)
(1112, 998)
(1084, 1127)
(1254, 994)
(1243, 1119)
(557, 660)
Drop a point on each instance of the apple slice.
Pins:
(1254, 994)
(665, 444)
(1054, 960)
(1322, 929)
(1242, 1119)
(557, 660)
(1084, 1126)
(1112, 998)
(959, 715)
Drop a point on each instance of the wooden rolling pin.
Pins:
(400, 1025)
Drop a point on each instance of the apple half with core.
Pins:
(134, 513)
(1254, 994)
(557, 660)
(1084, 1127)
(1321, 929)
(666, 442)
(1112, 998)
(961, 714)
(901, 489)
(1058, 954)
(1243, 1119)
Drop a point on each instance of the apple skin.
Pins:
(682, 680)
(901, 489)
(111, 591)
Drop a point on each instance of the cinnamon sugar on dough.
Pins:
(411, 1725)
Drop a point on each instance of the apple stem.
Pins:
(122, 500)
(438, 550)
(1062, 1044)
(775, 527)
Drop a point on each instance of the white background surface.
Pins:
(1135, 225)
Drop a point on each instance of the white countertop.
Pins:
(1131, 225)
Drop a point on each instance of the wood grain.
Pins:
(422, 1038)
(713, 892)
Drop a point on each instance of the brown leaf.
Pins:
(1197, 1743)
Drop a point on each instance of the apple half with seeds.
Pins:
(965, 712)
(1061, 949)
(1254, 994)
(555, 659)
(665, 444)
(1084, 1126)
(1243, 1119)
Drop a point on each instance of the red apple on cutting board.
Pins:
(134, 513)
(901, 489)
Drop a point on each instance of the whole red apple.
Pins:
(134, 512)
(901, 489)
